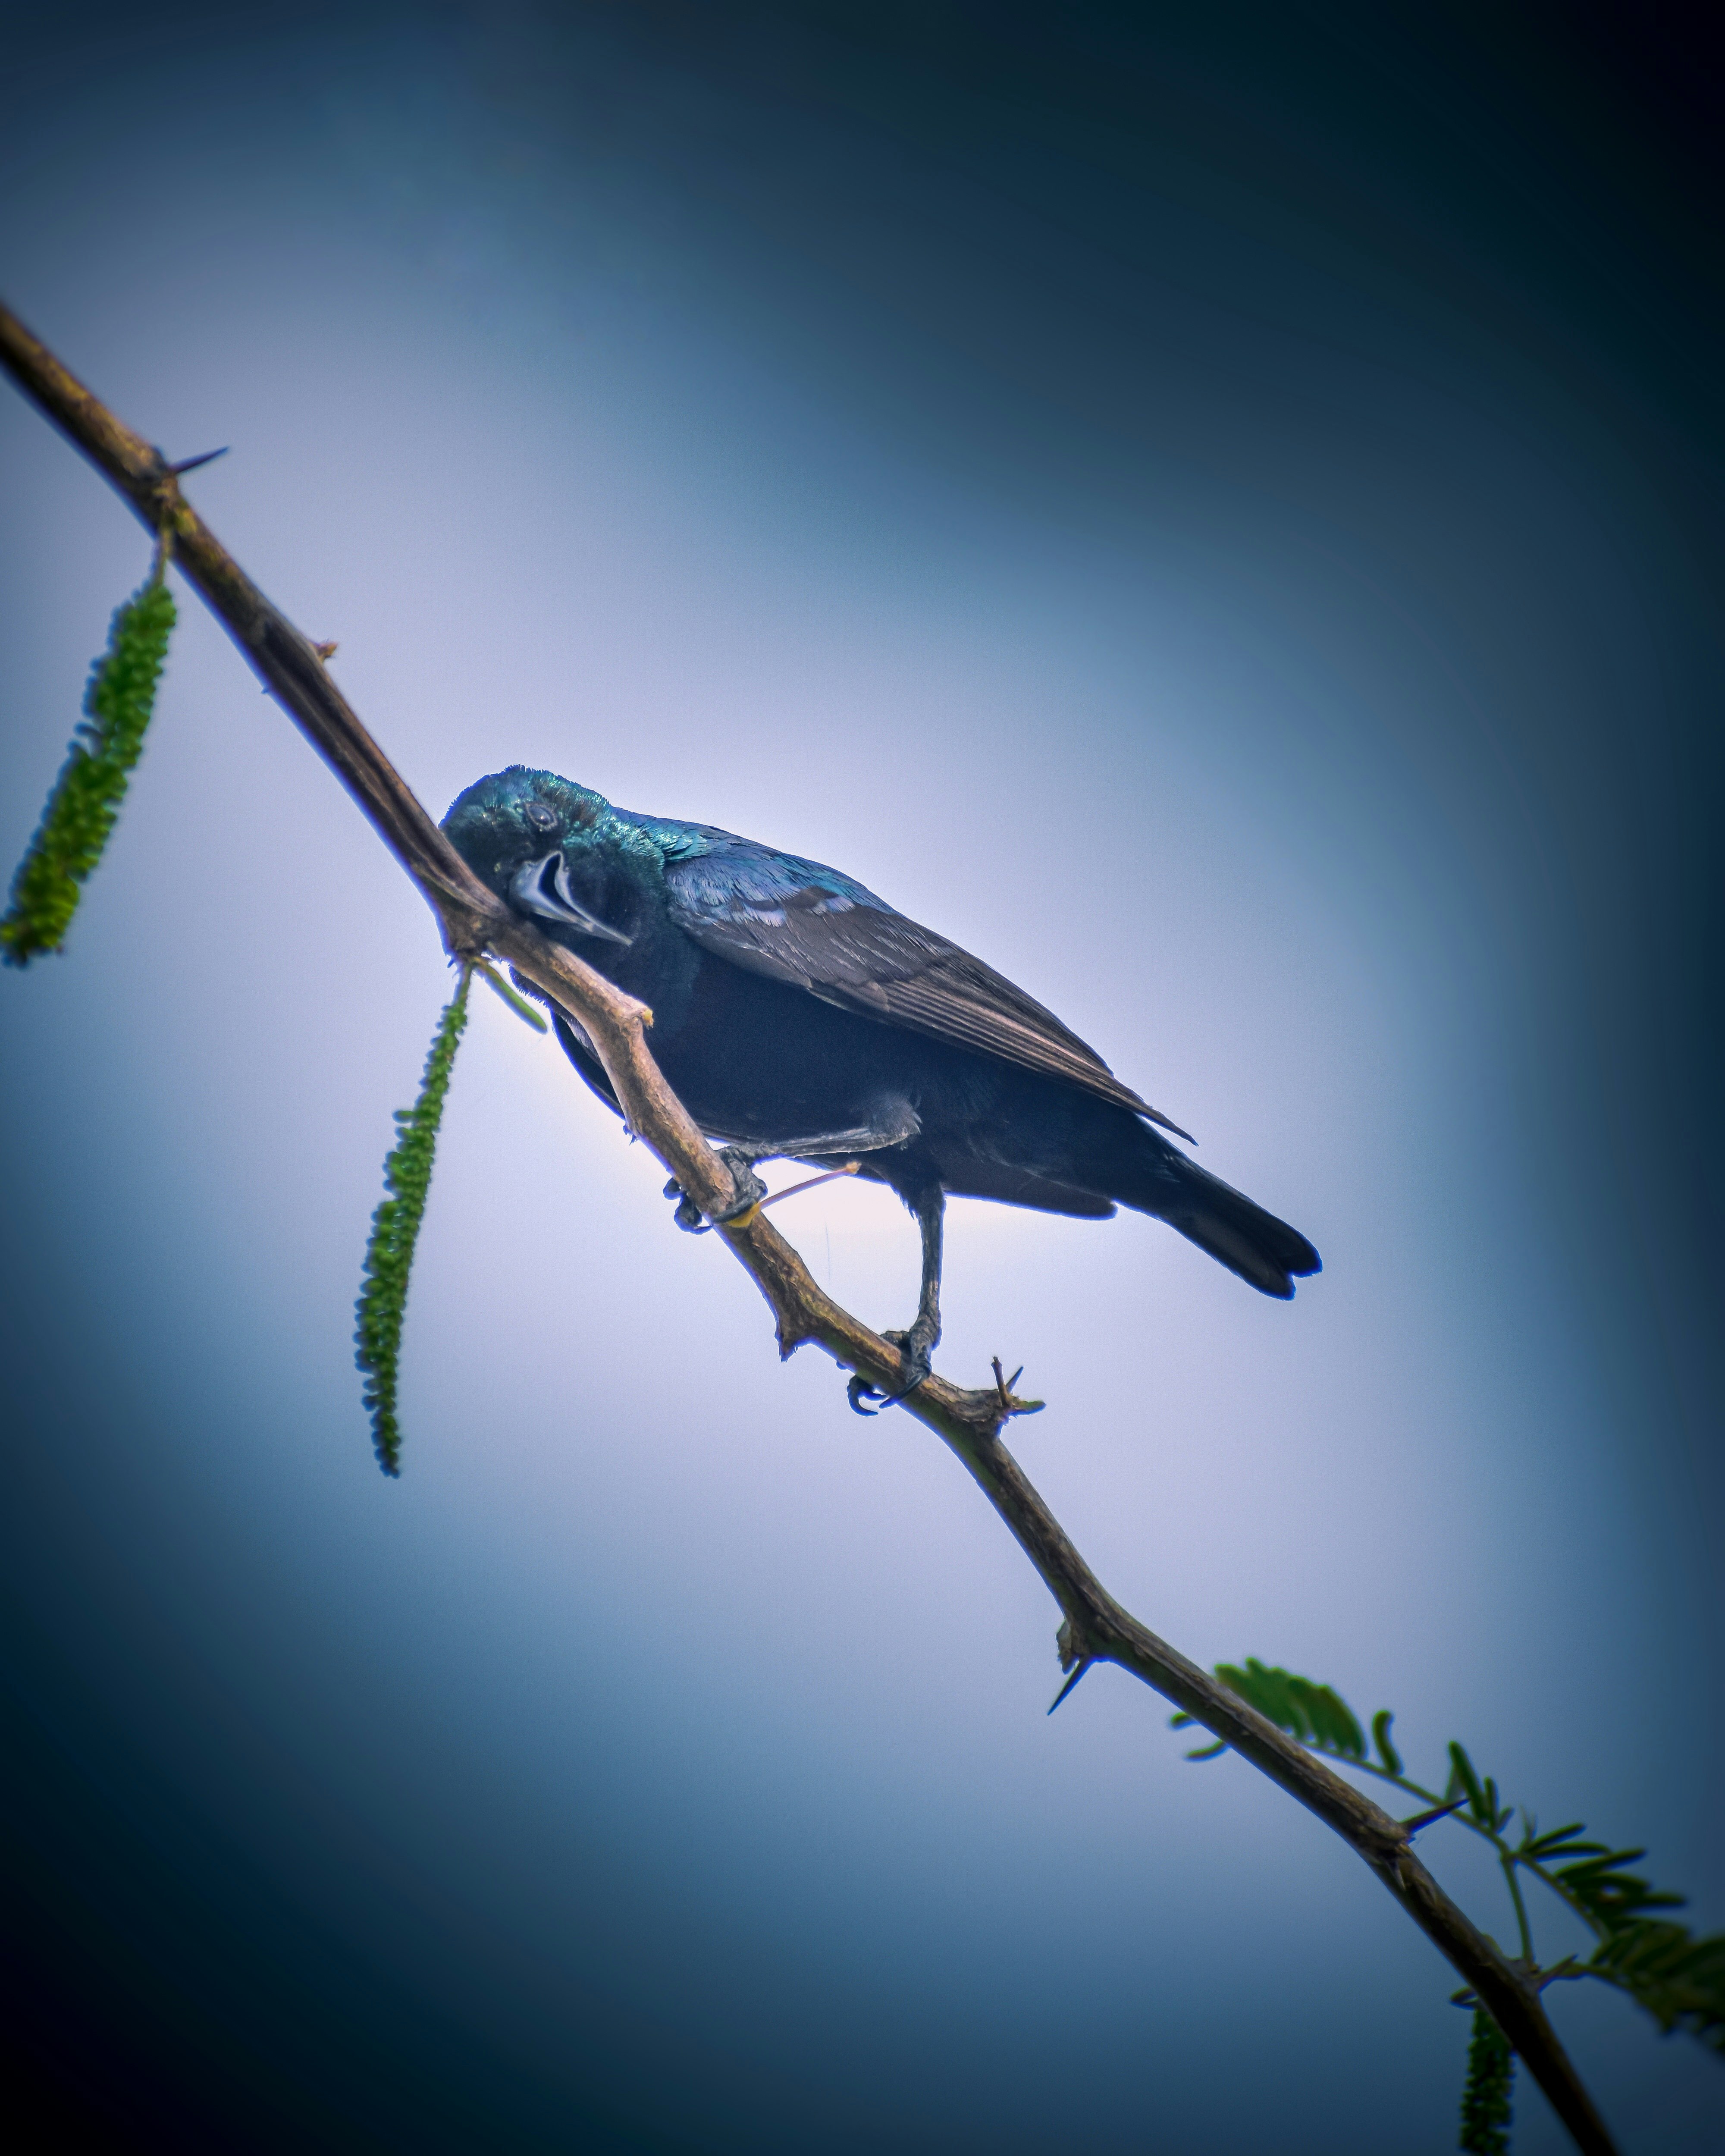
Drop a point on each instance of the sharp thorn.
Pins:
(1071, 1682)
(190, 464)
(1411, 1827)
(1009, 1404)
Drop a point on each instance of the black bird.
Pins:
(798, 1016)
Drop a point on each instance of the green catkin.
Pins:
(395, 1230)
(84, 804)
(1485, 2111)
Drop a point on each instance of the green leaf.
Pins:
(1313, 1713)
(1553, 1843)
(1208, 1751)
(1609, 1894)
(1678, 1979)
(1331, 1719)
(85, 805)
(395, 1232)
(1487, 2111)
(1464, 1778)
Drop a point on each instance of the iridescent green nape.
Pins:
(84, 804)
(395, 1230)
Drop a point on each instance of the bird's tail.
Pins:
(1221, 1221)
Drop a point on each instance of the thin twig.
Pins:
(813, 1183)
(1095, 1627)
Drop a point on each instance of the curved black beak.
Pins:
(542, 887)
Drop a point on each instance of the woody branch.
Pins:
(1095, 1628)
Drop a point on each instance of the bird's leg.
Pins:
(917, 1345)
(894, 1127)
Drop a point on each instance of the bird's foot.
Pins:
(748, 1186)
(915, 1349)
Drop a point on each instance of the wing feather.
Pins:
(809, 927)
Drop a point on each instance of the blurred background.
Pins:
(1217, 510)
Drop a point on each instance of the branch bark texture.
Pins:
(1095, 1628)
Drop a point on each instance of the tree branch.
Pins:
(1096, 1628)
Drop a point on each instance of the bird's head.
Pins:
(537, 840)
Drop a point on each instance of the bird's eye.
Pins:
(540, 817)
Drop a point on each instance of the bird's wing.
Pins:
(817, 930)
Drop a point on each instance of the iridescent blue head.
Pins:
(546, 845)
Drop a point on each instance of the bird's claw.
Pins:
(748, 1186)
(687, 1215)
(914, 1353)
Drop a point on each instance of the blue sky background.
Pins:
(1222, 520)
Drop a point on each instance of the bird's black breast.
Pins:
(753, 1058)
